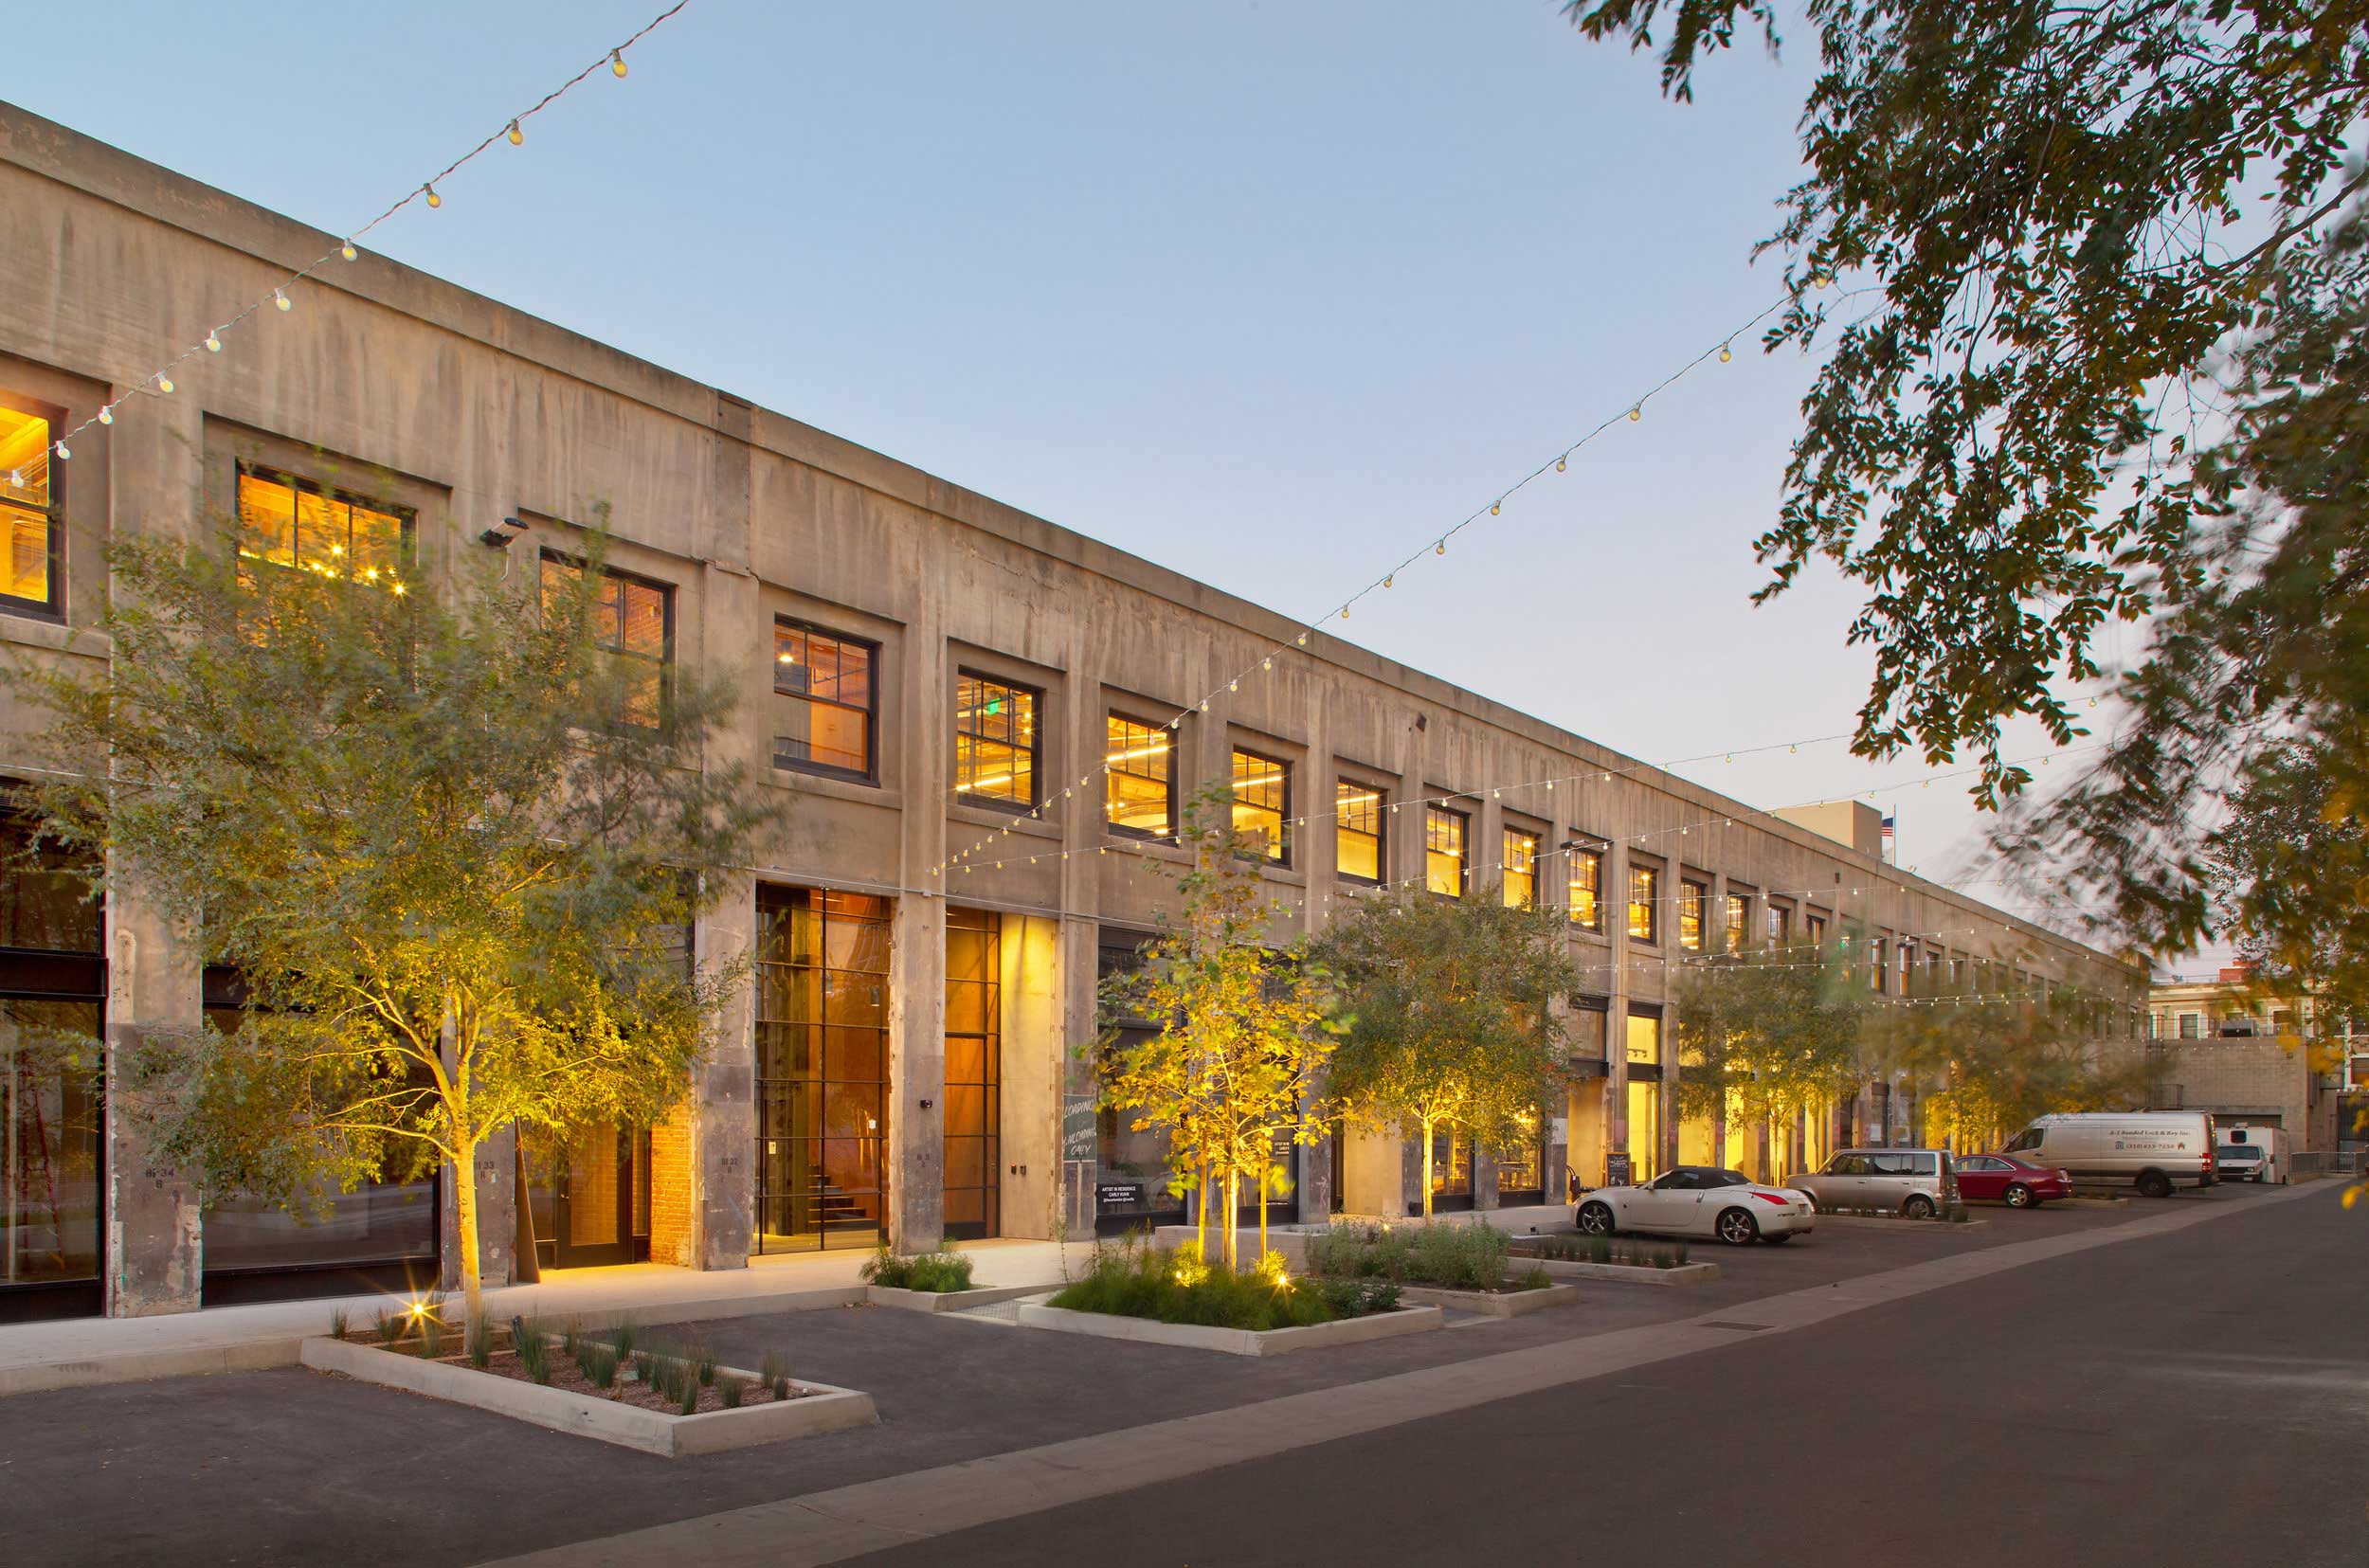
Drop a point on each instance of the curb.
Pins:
(1494, 1303)
(1235, 1342)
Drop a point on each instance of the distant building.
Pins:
(2253, 1059)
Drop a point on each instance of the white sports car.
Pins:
(1699, 1201)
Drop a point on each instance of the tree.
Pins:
(1449, 1015)
(452, 847)
(1245, 1030)
(1764, 1035)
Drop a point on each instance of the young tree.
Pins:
(1766, 1034)
(1450, 1016)
(451, 845)
(1245, 1030)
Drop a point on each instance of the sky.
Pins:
(1269, 293)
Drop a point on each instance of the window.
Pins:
(288, 521)
(1644, 904)
(2191, 1026)
(1816, 926)
(1690, 917)
(1443, 850)
(994, 743)
(1739, 922)
(1520, 870)
(1779, 919)
(1876, 963)
(1357, 831)
(832, 708)
(633, 622)
(1587, 888)
(1139, 792)
(1263, 798)
(32, 565)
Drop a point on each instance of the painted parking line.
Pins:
(848, 1521)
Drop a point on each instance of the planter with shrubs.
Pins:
(1628, 1260)
(1466, 1267)
(1171, 1296)
(931, 1282)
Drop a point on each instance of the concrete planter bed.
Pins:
(812, 1409)
(1627, 1274)
(1235, 1342)
(949, 1301)
(1893, 1219)
(1508, 1303)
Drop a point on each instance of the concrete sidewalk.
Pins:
(75, 1352)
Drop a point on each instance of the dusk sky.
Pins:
(1270, 293)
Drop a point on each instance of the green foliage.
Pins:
(1244, 1028)
(1763, 1035)
(1451, 1257)
(531, 1340)
(1449, 1015)
(478, 1340)
(396, 813)
(626, 1335)
(339, 1321)
(773, 1372)
(939, 1271)
(731, 1390)
(598, 1362)
(388, 1326)
(2049, 207)
(1134, 1281)
(431, 1336)
(703, 1364)
(1571, 1247)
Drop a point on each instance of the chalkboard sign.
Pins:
(1119, 1194)
(1617, 1168)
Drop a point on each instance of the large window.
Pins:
(1691, 895)
(1876, 963)
(1739, 922)
(1443, 850)
(632, 621)
(994, 743)
(1587, 888)
(821, 1002)
(974, 1074)
(1815, 927)
(1521, 869)
(1780, 925)
(1357, 831)
(32, 553)
(287, 521)
(1263, 798)
(1644, 904)
(1139, 792)
(829, 709)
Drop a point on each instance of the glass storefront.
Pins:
(1521, 1169)
(1644, 1104)
(822, 1038)
(1450, 1171)
(974, 1073)
(1132, 1174)
(52, 1133)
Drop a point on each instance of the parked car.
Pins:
(2011, 1179)
(1698, 1200)
(2252, 1154)
(2155, 1151)
(1918, 1182)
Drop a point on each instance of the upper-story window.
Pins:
(830, 710)
(632, 621)
(1357, 831)
(1644, 904)
(1521, 869)
(995, 742)
(1814, 927)
(1691, 895)
(1587, 888)
(1263, 798)
(1780, 918)
(1876, 963)
(288, 521)
(32, 536)
(1139, 792)
(1739, 922)
(1443, 850)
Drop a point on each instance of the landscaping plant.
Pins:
(1143, 1282)
(730, 1391)
(387, 1326)
(775, 1372)
(338, 1323)
(941, 1271)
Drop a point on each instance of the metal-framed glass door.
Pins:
(974, 1074)
(588, 1192)
(823, 1069)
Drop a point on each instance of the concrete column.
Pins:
(153, 1220)
(916, 1091)
(1070, 1146)
(1616, 898)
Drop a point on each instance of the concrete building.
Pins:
(924, 669)
(2281, 1061)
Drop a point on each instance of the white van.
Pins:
(2252, 1154)
(2152, 1150)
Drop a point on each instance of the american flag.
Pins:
(1888, 837)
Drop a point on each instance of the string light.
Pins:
(1724, 355)
(281, 300)
(164, 384)
(433, 199)
(213, 344)
(107, 413)
(517, 137)
(617, 57)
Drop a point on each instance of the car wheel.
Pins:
(2018, 1196)
(1918, 1207)
(2154, 1185)
(1738, 1229)
(1596, 1218)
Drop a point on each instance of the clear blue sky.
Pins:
(1268, 293)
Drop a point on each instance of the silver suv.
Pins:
(1917, 1182)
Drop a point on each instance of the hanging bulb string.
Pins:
(1630, 409)
(159, 381)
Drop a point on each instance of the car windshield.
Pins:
(2240, 1151)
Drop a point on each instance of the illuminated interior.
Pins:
(1690, 917)
(1261, 799)
(1443, 850)
(1137, 792)
(1644, 904)
(25, 508)
(825, 718)
(1521, 869)
(1356, 830)
(1587, 878)
(995, 741)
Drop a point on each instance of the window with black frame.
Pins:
(1586, 889)
(1444, 853)
(1691, 897)
(823, 1069)
(1134, 1174)
(1357, 831)
(288, 520)
(32, 527)
(633, 623)
(1520, 869)
(994, 743)
(1521, 1166)
(1139, 788)
(54, 987)
(974, 1074)
(1262, 804)
(1644, 904)
(828, 710)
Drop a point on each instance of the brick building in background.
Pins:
(2253, 1059)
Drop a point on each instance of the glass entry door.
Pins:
(974, 1074)
(588, 1195)
(822, 1064)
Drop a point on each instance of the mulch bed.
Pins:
(566, 1375)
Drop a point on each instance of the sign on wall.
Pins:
(1077, 1126)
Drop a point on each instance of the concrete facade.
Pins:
(386, 380)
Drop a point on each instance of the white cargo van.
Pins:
(2152, 1150)
(2252, 1154)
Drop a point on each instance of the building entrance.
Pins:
(588, 1195)
(823, 1070)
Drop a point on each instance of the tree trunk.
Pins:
(1233, 1208)
(1201, 1215)
(1719, 1132)
(1262, 1217)
(1427, 1127)
(464, 1208)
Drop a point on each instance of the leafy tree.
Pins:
(1449, 1010)
(452, 846)
(1245, 1030)
(1765, 1035)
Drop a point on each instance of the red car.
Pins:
(2005, 1178)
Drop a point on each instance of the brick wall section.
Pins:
(670, 1190)
(2236, 1076)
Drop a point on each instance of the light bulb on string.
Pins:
(1392, 578)
(1441, 549)
(1637, 413)
(348, 251)
(1496, 507)
(617, 62)
(62, 453)
(1724, 354)
(213, 344)
(517, 137)
(433, 199)
(1563, 463)
(281, 300)
(106, 413)
(164, 383)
